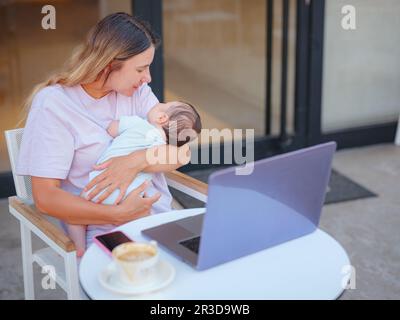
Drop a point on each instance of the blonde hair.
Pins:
(114, 39)
(183, 125)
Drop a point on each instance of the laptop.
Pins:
(279, 201)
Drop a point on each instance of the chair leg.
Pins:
(27, 262)
(72, 278)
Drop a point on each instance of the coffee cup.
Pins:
(136, 261)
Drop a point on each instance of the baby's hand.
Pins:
(113, 128)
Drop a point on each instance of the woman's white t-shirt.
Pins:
(65, 134)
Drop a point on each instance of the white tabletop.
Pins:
(310, 267)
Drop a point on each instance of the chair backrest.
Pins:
(23, 184)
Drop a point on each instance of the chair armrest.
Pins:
(186, 184)
(37, 218)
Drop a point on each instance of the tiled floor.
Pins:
(367, 228)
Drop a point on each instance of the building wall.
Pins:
(361, 67)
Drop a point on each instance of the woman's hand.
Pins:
(118, 174)
(134, 206)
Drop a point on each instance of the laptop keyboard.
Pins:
(192, 244)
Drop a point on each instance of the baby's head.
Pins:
(179, 121)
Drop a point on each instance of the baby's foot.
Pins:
(80, 252)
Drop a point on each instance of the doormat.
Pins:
(343, 189)
(340, 189)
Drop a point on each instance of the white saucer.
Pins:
(163, 276)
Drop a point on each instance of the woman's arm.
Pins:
(166, 158)
(52, 200)
(120, 171)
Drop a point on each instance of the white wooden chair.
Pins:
(60, 251)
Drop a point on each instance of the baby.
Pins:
(165, 124)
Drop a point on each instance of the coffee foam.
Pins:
(131, 252)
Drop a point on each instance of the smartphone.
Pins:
(108, 241)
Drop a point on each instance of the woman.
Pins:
(65, 132)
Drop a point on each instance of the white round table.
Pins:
(310, 267)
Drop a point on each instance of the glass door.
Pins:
(214, 57)
(354, 73)
(235, 60)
